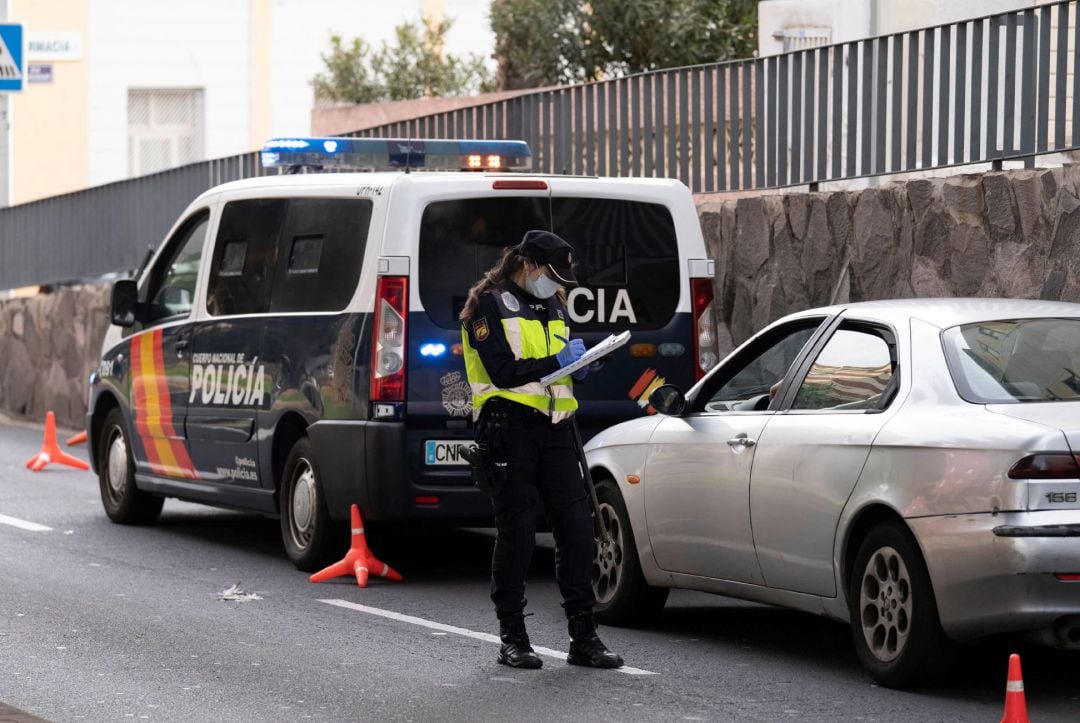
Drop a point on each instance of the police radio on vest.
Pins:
(604, 306)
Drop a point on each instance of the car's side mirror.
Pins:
(668, 399)
(124, 304)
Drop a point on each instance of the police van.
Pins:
(293, 347)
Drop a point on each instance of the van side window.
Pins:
(320, 254)
(243, 265)
(171, 288)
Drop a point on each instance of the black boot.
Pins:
(585, 646)
(515, 650)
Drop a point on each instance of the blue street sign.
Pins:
(11, 57)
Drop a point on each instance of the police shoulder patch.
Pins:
(510, 301)
(480, 329)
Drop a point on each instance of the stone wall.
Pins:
(48, 345)
(1013, 234)
(1006, 234)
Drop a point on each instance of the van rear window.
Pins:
(626, 255)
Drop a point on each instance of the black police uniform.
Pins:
(537, 461)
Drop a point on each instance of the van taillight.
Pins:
(1046, 465)
(388, 344)
(705, 356)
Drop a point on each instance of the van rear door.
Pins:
(631, 244)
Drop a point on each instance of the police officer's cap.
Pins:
(544, 247)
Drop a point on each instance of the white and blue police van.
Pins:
(293, 347)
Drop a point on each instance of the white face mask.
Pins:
(542, 287)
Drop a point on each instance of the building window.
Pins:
(165, 129)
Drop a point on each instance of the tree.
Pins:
(550, 42)
(414, 67)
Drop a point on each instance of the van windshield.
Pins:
(1024, 360)
(626, 255)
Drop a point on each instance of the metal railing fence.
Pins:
(988, 89)
(1000, 87)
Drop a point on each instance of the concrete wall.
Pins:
(1007, 234)
(1012, 234)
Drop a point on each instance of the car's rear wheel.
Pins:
(894, 617)
(310, 537)
(622, 595)
(123, 501)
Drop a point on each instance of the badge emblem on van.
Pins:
(456, 395)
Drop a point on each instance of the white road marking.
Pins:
(23, 524)
(486, 637)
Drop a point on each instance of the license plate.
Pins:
(444, 451)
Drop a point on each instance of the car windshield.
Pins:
(1012, 361)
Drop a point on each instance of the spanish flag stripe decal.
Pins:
(165, 451)
(140, 395)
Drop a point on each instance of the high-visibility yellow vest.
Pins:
(530, 337)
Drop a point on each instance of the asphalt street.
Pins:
(104, 622)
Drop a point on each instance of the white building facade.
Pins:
(150, 84)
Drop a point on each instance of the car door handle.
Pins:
(741, 440)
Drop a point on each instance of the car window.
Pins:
(852, 371)
(1015, 361)
(171, 288)
(751, 380)
(244, 256)
(320, 254)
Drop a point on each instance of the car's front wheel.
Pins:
(306, 529)
(123, 501)
(894, 617)
(622, 595)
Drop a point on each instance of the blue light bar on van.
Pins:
(382, 154)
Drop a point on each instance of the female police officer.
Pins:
(514, 333)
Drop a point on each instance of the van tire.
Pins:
(309, 535)
(629, 601)
(123, 501)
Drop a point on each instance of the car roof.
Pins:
(947, 312)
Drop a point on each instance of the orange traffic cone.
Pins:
(76, 439)
(358, 560)
(1015, 703)
(51, 452)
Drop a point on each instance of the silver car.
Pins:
(908, 466)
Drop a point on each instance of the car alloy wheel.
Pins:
(894, 619)
(623, 597)
(607, 568)
(885, 604)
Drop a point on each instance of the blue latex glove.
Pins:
(570, 353)
(580, 374)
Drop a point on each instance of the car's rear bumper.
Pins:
(996, 573)
(377, 466)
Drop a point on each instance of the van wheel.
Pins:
(894, 617)
(306, 528)
(123, 501)
(622, 595)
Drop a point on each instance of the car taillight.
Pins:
(388, 344)
(1046, 465)
(705, 356)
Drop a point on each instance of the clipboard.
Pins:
(599, 351)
